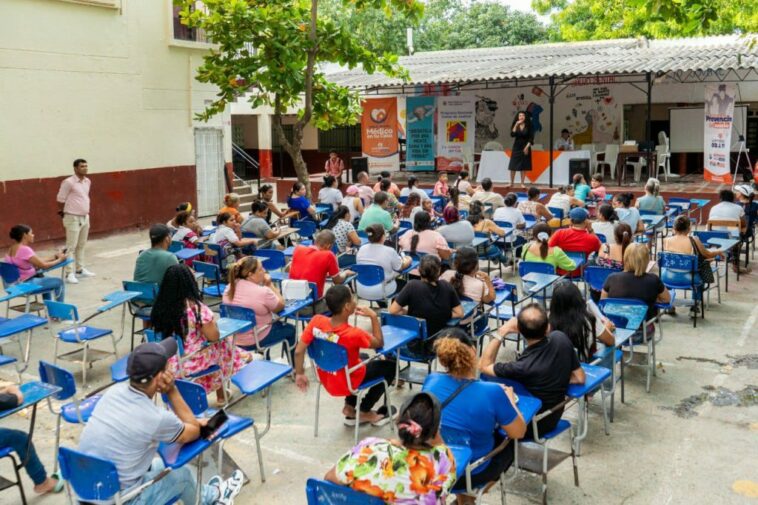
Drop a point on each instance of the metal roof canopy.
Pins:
(637, 62)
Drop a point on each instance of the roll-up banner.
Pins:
(420, 133)
(379, 134)
(455, 133)
(719, 115)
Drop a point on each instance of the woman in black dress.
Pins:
(523, 138)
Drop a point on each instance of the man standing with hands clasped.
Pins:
(73, 207)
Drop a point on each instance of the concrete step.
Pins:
(242, 189)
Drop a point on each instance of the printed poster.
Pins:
(419, 128)
(379, 130)
(719, 115)
(455, 133)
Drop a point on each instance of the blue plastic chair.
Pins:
(76, 334)
(371, 275)
(214, 253)
(680, 271)
(76, 412)
(89, 478)
(140, 307)
(7, 452)
(305, 228)
(10, 276)
(212, 273)
(540, 267)
(557, 213)
(595, 276)
(275, 262)
(332, 358)
(405, 328)
(321, 492)
(248, 314)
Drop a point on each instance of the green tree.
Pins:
(607, 19)
(274, 52)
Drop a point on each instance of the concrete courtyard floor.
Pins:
(693, 439)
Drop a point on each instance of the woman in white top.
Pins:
(412, 180)
(224, 234)
(606, 220)
(329, 193)
(353, 203)
(376, 253)
(510, 214)
(468, 281)
(564, 199)
(345, 235)
(463, 184)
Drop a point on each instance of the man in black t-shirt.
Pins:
(546, 367)
(11, 397)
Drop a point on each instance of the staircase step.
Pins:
(242, 189)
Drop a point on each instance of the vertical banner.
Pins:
(455, 133)
(379, 134)
(419, 154)
(719, 116)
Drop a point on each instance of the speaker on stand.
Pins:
(579, 166)
(358, 165)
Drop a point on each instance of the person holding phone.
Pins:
(126, 426)
(521, 154)
(21, 254)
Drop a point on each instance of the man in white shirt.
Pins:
(73, 207)
(727, 210)
(565, 143)
(485, 194)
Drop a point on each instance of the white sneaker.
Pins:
(230, 488)
(71, 279)
(85, 273)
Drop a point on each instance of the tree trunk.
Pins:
(294, 149)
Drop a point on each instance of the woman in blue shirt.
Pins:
(622, 202)
(652, 201)
(581, 188)
(299, 202)
(478, 408)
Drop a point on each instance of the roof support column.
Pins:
(551, 100)
(648, 121)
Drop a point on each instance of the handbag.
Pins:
(703, 266)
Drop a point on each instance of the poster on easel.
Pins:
(455, 133)
(419, 128)
(379, 125)
(719, 116)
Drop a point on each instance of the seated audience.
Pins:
(565, 200)
(533, 207)
(510, 214)
(337, 329)
(393, 204)
(598, 191)
(330, 193)
(470, 282)
(652, 201)
(21, 254)
(463, 183)
(376, 253)
(622, 202)
(681, 242)
(545, 368)
(257, 224)
(364, 189)
(456, 230)
(127, 424)
(266, 195)
(636, 283)
(577, 237)
(345, 235)
(611, 255)
(728, 211)
(353, 203)
(581, 188)
(428, 207)
(186, 224)
(411, 208)
(250, 286)
(419, 446)
(570, 314)
(226, 237)
(429, 298)
(298, 201)
(422, 239)
(232, 206)
(377, 214)
(179, 311)
(441, 187)
(485, 195)
(152, 263)
(745, 196)
(185, 207)
(539, 249)
(605, 224)
(17, 440)
(483, 225)
(314, 263)
(453, 198)
(413, 188)
(393, 189)
(473, 406)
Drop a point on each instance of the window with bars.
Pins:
(340, 139)
(184, 32)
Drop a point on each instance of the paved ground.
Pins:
(693, 439)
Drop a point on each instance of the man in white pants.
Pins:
(73, 207)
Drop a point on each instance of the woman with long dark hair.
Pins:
(21, 254)
(330, 193)
(470, 282)
(611, 255)
(299, 201)
(523, 138)
(179, 311)
(569, 314)
(411, 208)
(423, 239)
(413, 188)
(344, 234)
(606, 221)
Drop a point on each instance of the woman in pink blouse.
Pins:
(25, 259)
(422, 239)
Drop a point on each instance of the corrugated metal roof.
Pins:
(569, 59)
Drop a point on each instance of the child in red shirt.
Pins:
(340, 301)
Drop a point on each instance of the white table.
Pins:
(494, 164)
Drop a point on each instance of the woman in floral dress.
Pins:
(417, 469)
(178, 310)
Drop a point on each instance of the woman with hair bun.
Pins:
(330, 193)
(611, 255)
(652, 201)
(21, 254)
(475, 407)
(376, 253)
(421, 467)
(539, 250)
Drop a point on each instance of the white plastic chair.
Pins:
(664, 162)
(611, 154)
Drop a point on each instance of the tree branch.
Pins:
(309, 69)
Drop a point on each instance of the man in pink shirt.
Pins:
(335, 166)
(73, 207)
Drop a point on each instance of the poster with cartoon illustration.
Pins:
(591, 114)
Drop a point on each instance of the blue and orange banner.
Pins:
(379, 134)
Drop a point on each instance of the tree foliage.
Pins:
(608, 19)
(273, 52)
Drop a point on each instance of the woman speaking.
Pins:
(523, 137)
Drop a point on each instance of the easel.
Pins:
(742, 150)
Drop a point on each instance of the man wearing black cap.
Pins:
(126, 427)
(153, 263)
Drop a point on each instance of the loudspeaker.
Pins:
(579, 166)
(358, 165)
